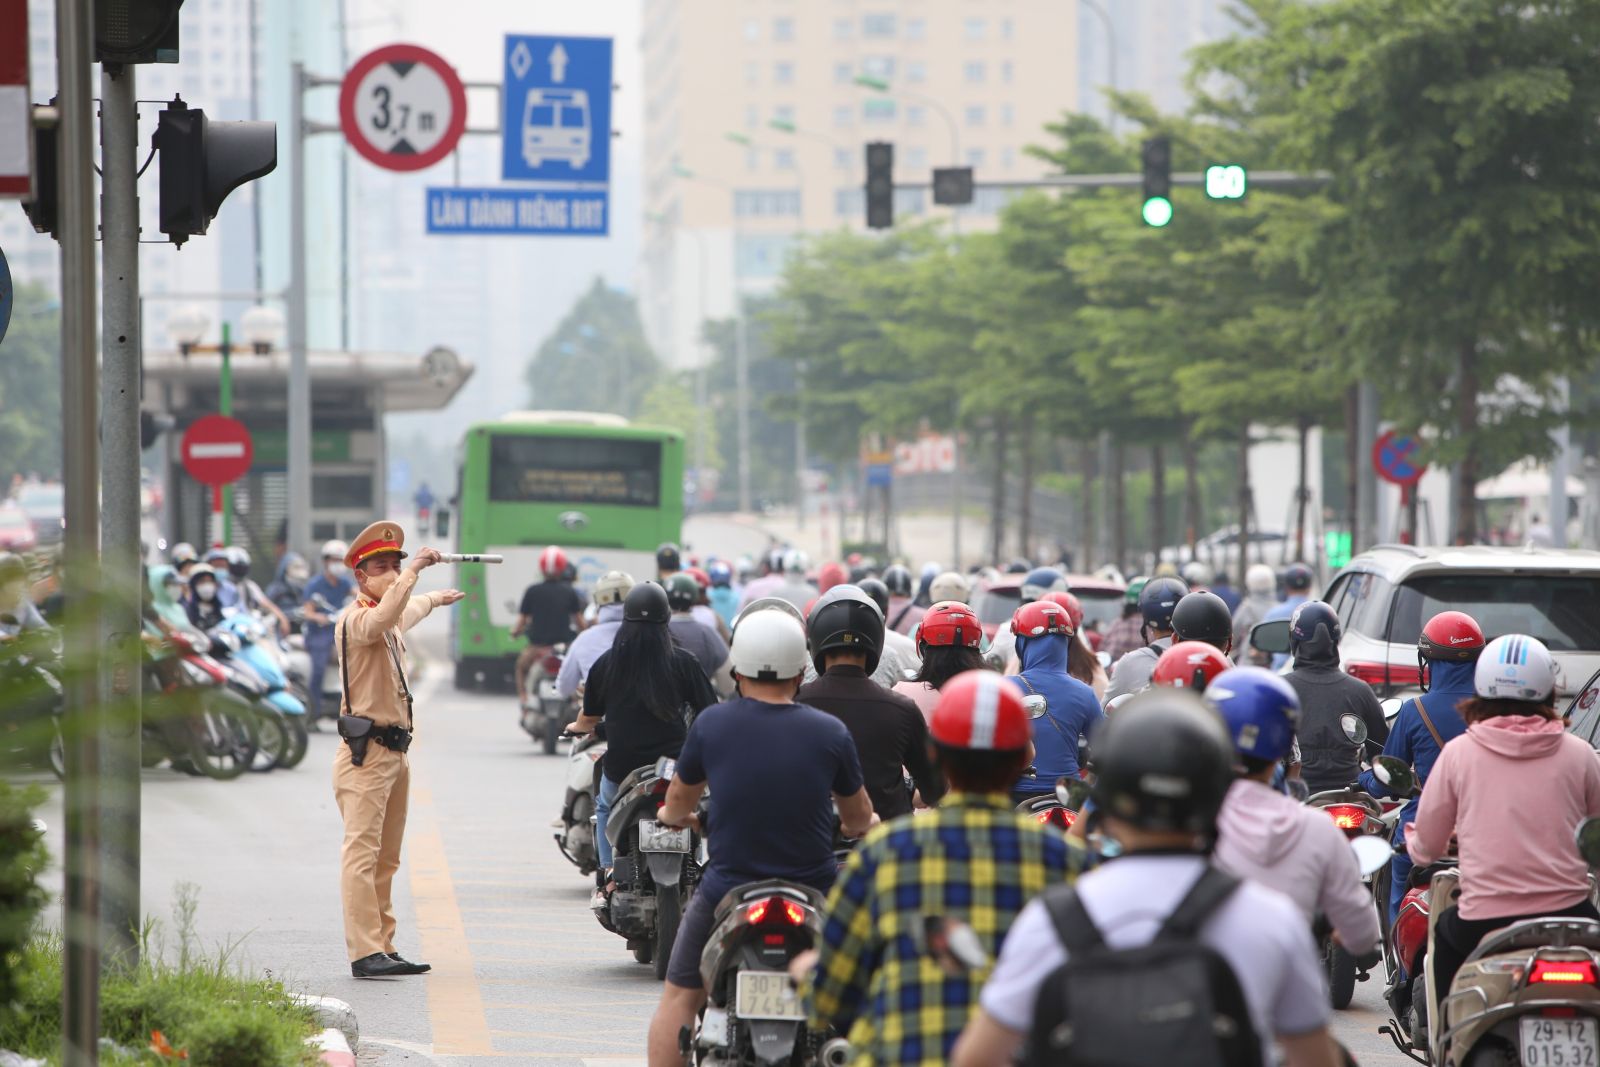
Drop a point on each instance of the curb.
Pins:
(338, 1020)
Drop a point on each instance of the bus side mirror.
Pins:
(441, 523)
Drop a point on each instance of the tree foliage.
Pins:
(30, 387)
(597, 359)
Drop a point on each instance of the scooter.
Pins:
(752, 1015)
(576, 839)
(655, 867)
(1059, 809)
(31, 697)
(191, 718)
(253, 653)
(545, 712)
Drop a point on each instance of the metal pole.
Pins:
(1560, 470)
(1366, 531)
(701, 398)
(742, 384)
(80, 453)
(299, 487)
(1104, 538)
(225, 407)
(120, 515)
(1111, 58)
(955, 489)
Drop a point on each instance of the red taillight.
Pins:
(786, 912)
(1056, 816)
(1382, 674)
(1347, 816)
(660, 786)
(1564, 971)
(552, 665)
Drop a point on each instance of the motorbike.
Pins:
(575, 839)
(1059, 809)
(752, 1015)
(655, 867)
(1358, 815)
(191, 718)
(255, 653)
(545, 712)
(31, 697)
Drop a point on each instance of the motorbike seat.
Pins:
(1532, 934)
(750, 891)
(634, 777)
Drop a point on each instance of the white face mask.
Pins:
(205, 590)
(337, 570)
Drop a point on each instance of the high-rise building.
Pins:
(968, 83)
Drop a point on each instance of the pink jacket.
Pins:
(925, 695)
(1513, 789)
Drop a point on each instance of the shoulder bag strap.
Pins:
(900, 617)
(1071, 742)
(1206, 895)
(344, 661)
(1073, 926)
(1428, 722)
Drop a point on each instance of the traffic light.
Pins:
(151, 426)
(202, 162)
(952, 185)
(136, 31)
(1156, 154)
(44, 209)
(1226, 181)
(880, 185)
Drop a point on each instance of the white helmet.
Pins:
(1515, 667)
(1196, 573)
(334, 550)
(769, 646)
(795, 562)
(949, 586)
(767, 603)
(612, 588)
(1260, 579)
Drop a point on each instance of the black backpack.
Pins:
(1173, 1000)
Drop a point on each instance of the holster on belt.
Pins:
(357, 733)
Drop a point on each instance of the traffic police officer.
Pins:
(371, 775)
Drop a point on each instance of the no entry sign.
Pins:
(217, 450)
(1394, 458)
(402, 107)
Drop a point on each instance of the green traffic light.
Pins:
(1157, 211)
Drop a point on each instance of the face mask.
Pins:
(205, 590)
(297, 573)
(379, 584)
(173, 592)
(337, 570)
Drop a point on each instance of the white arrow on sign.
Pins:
(558, 64)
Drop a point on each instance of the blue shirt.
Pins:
(1071, 710)
(1285, 610)
(336, 593)
(724, 600)
(1409, 739)
(773, 770)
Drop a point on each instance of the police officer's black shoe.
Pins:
(416, 968)
(379, 965)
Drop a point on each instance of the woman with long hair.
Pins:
(646, 690)
(1082, 663)
(1516, 753)
(948, 640)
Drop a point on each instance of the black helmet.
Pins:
(1297, 578)
(668, 558)
(897, 580)
(877, 591)
(682, 592)
(1308, 618)
(647, 602)
(1163, 761)
(1159, 598)
(1204, 617)
(1019, 566)
(845, 618)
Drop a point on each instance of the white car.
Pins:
(1385, 595)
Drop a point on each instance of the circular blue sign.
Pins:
(1393, 457)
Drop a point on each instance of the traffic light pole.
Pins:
(120, 534)
(80, 469)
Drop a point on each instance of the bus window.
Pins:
(572, 470)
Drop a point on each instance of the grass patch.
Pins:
(199, 1001)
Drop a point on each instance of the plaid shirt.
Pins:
(972, 860)
(1123, 636)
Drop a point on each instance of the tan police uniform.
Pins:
(369, 641)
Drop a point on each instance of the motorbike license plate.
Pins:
(653, 837)
(1548, 1042)
(548, 691)
(766, 995)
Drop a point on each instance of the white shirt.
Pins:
(1259, 932)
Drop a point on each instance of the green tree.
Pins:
(30, 387)
(597, 359)
(670, 403)
(772, 403)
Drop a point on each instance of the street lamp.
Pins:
(187, 326)
(881, 85)
(262, 328)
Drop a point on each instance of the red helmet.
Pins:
(552, 561)
(1073, 605)
(949, 623)
(1189, 665)
(830, 575)
(980, 710)
(701, 578)
(1451, 635)
(1042, 617)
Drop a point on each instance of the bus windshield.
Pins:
(526, 469)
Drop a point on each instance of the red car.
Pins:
(16, 532)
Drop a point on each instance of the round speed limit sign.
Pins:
(402, 107)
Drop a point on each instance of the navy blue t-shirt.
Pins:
(773, 770)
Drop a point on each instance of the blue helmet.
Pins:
(1042, 580)
(720, 573)
(1158, 599)
(1260, 709)
(1308, 618)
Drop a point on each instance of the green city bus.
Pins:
(608, 492)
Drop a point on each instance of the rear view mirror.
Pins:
(1372, 852)
(441, 523)
(1035, 705)
(1271, 636)
(1394, 773)
(1104, 658)
(1072, 792)
(666, 767)
(1354, 728)
(1391, 708)
(1588, 838)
